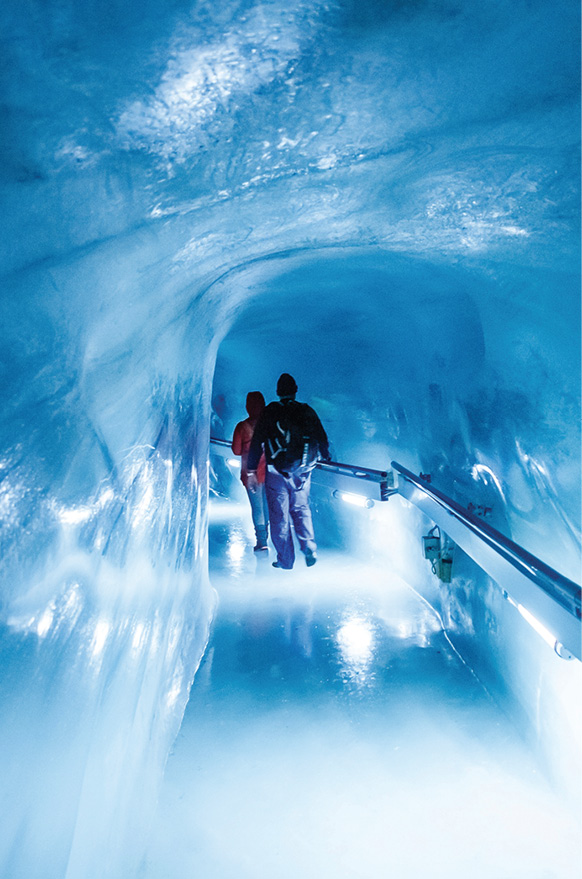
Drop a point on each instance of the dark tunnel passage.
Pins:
(383, 200)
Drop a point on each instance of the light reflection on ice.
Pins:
(143, 506)
(104, 498)
(75, 515)
(9, 497)
(199, 82)
(102, 630)
(236, 548)
(138, 636)
(44, 623)
(355, 638)
(480, 469)
(176, 687)
(62, 611)
(79, 515)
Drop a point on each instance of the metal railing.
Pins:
(376, 484)
(557, 600)
(551, 598)
(221, 442)
(568, 593)
(383, 479)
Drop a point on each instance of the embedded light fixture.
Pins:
(544, 633)
(536, 625)
(357, 500)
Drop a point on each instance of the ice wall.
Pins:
(163, 164)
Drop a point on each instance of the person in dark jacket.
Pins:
(292, 438)
(241, 442)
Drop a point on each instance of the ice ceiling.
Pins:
(401, 171)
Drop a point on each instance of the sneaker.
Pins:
(279, 565)
(260, 547)
(310, 557)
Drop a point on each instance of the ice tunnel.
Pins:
(381, 198)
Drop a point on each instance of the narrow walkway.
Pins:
(332, 732)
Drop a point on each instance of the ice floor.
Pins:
(332, 731)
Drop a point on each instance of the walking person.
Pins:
(241, 441)
(292, 438)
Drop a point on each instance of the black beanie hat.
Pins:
(286, 386)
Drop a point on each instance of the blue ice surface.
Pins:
(333, 730)
(380, 197)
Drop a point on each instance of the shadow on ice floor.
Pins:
(332, 731)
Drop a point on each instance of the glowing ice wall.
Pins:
(105, 598)
(152, 153)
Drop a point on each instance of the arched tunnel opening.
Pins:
(383, 200)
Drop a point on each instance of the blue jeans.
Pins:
(288, 500)
(260, 513)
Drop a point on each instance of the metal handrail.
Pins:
(221, 442)
(556, 585)
(363, 473)
(353, 470)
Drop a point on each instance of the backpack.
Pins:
(293, 450)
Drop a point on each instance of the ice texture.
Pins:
(381, 198)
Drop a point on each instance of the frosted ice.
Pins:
(381, 198)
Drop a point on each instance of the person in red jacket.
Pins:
(241, 441)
